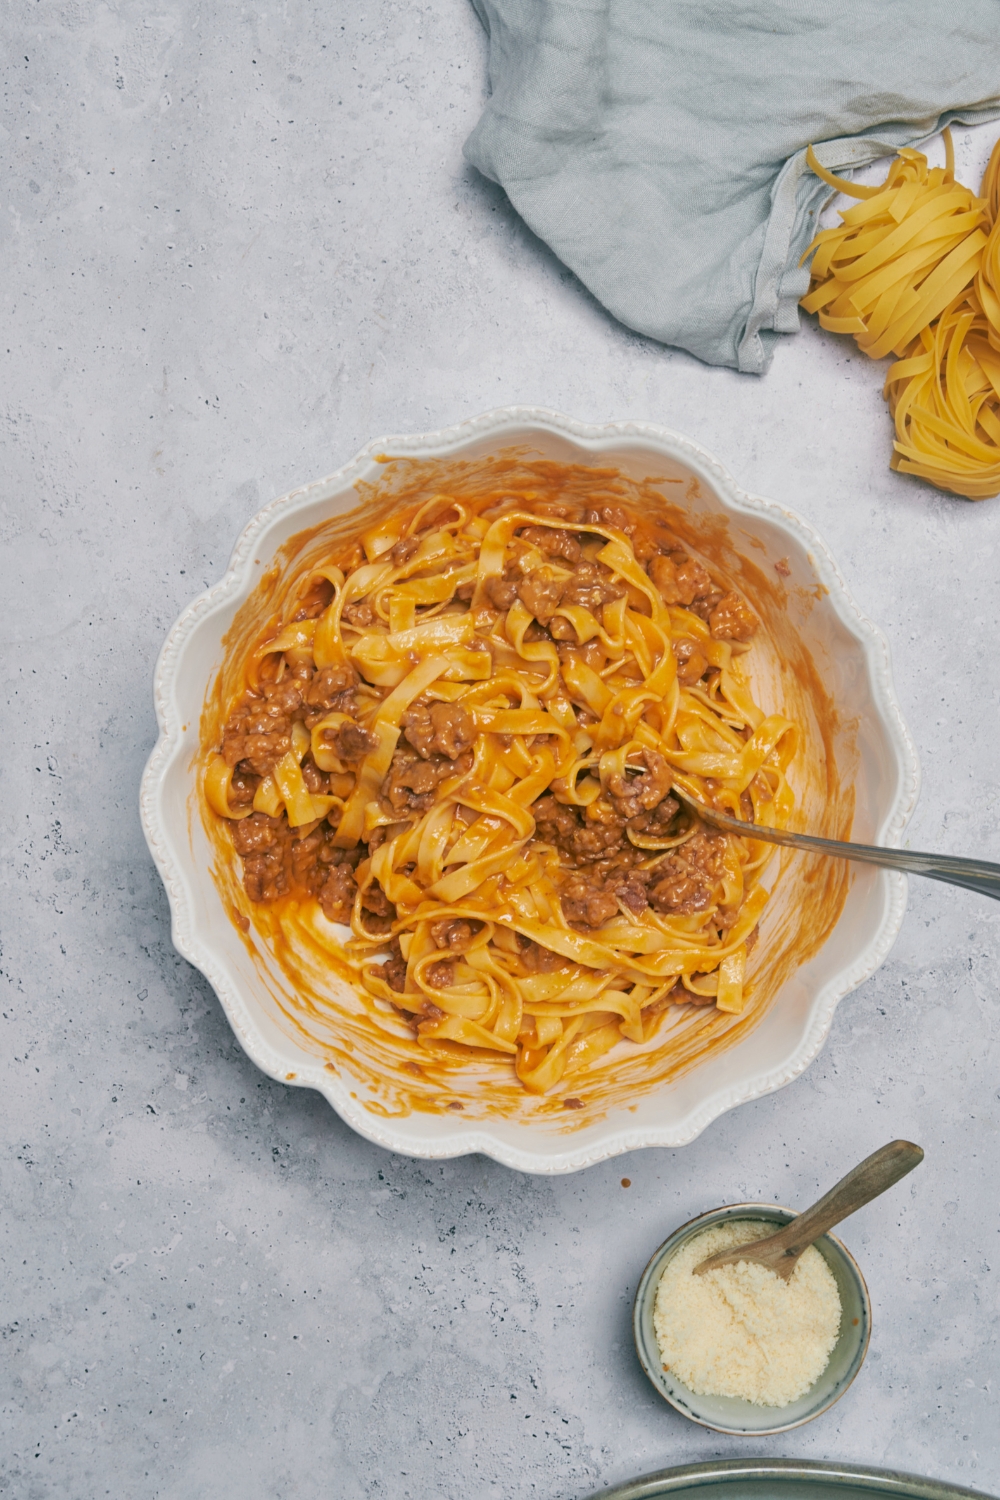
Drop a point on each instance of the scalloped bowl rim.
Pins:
(514, 423)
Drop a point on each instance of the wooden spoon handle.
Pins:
(867, 1180)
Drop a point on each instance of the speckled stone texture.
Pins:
(238, 243)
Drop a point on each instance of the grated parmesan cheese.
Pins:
(741, 1330)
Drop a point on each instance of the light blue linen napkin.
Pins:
(658, 145)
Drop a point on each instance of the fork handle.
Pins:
(973, 874)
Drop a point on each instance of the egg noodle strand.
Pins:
(540, 720)
(914, 270)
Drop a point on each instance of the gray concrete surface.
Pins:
(239, 241)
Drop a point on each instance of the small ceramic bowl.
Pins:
(726, 1413)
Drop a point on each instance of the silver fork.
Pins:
(974, 874)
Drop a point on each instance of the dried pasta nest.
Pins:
(914, 270)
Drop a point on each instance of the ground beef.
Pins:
(732, 619)
(596, 893)
(536, 959)
(262, 842)
(412, 780)
(377, 902)
(262, 752)
(327, 687)
(663, 573)
(343, 703)
(612, 516)
(312, 857)
(350, 742)
(259, 730)
(264, 876)
(692, 663)
(591, 652)
(641, 804)
(325, 871)
(316, 780)
(394, 968)
(243, 788)
(308, 863)
(687, 881)
(360, 614)
(378, 909)
(632, 795)
(502, 592)
(234, 736)
(644, 547)
(586, 904)
(555, 543)
(441, 728)
(258, 833)
(590, 587)
(555, 823)
(441, 974)
(630, 888)
(682, 580)
(693, 581)
(705, 605)
(540, 594)
(428, 1012)
(578, 840)
(336, 894)
(283, 698)
(454, 933)
(404, 550)
(658, 823)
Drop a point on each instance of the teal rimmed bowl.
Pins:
(785, 1479)
(726, 1413)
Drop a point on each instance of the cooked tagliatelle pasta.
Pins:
(460, 737)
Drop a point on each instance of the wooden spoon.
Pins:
(780, 1252)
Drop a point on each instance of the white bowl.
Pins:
(867, 744)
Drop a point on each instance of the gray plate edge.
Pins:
(877, 1481)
